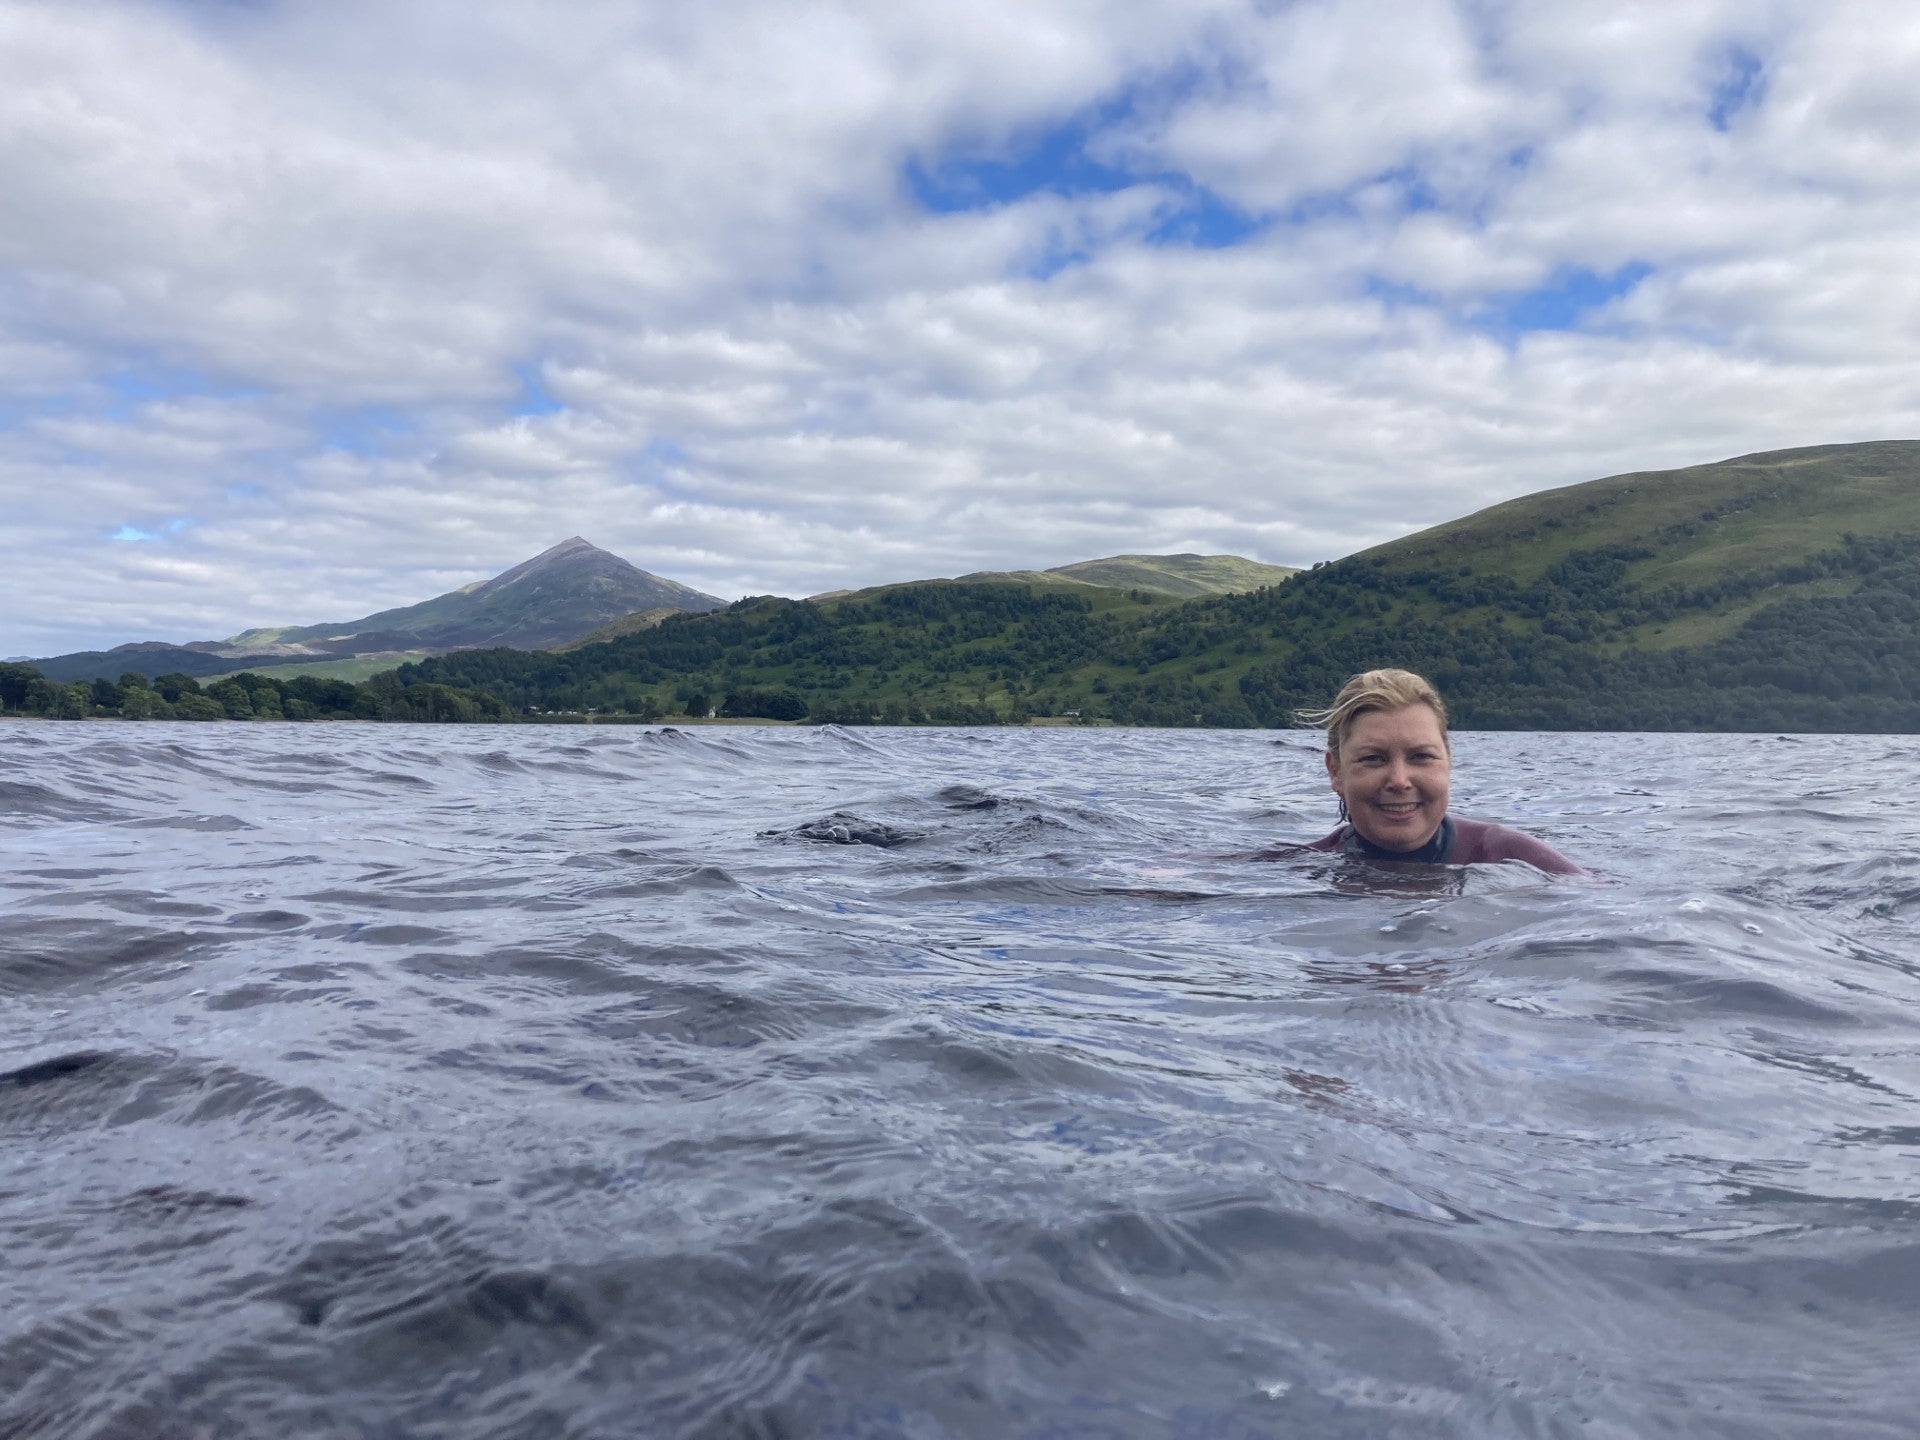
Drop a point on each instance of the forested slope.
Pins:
(1776, 591)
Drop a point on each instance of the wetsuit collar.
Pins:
(1436, 851)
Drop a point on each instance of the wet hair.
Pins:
(1373, 690)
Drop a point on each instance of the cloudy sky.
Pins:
(310, 307)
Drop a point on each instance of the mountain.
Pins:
(559, 595)
(1772, 591)
(149, 657)
(1777, 591)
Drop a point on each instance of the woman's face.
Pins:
(1394, 773)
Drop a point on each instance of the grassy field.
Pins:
(357, 668)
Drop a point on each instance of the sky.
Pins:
(314, 307)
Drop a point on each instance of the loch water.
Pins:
(384, 1081)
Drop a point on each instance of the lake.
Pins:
(384, 1081)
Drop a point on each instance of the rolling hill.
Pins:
(1776, 591)
(1180, 576)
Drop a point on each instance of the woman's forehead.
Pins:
(1408, 725)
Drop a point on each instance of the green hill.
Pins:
(1181, 576)
(1694, 528)
(1184, 576)
(1772, 591)
(1703, 522)
(1777, 591)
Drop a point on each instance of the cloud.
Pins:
(778, 299)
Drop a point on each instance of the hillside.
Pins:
(1776, 591)
(626, 625)
(1699, 527)
(559, 595)
(1181, 576)
(1705, 521)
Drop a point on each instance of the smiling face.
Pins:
(1394, 772)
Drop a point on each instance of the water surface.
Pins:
(382, 1081)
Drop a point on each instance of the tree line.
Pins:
(247, 696)
(1829, 645)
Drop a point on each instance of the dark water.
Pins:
(379, 1081)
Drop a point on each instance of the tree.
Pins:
(192, 705)
(141, 703)
(232, 699)
(15, 680)
(768, 704)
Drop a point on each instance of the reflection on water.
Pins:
(382, 1081)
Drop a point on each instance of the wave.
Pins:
(397, 1081)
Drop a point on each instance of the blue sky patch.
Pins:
(535, 399)
(135, 535)
(1053, 161)
(366, 429)
(1563, 303)
(1206, 222)
(663, 453)
(142, 382)
(1739, 89)
(1059, 159)
(656, 466)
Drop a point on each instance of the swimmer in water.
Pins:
(1390, 763)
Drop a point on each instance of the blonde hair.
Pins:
(1373, 690)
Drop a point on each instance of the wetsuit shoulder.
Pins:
(1477, 842)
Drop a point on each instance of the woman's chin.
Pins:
(1396, 834)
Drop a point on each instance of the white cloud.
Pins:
(276, 280)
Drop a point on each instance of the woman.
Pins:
(1390, 763)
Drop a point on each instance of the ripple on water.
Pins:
(389, 1081)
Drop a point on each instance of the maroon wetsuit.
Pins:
(1458, 842)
